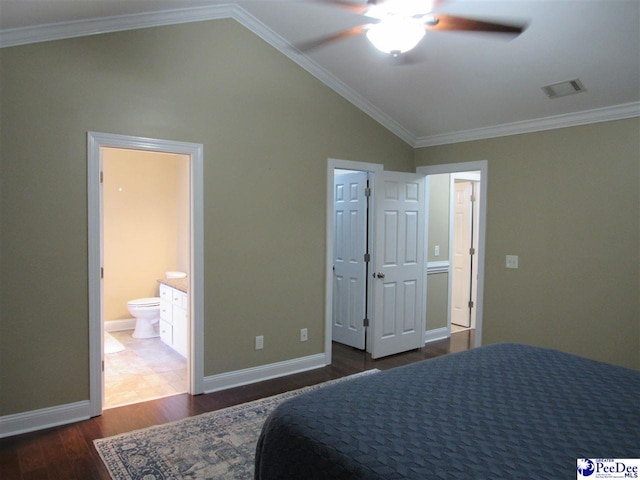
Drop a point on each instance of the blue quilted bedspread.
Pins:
(503, 411)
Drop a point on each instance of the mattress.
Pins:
(504, 411)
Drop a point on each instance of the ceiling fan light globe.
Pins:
(397, 35)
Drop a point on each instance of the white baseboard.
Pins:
(74, 412)
(45, 418)
(238, 378)
(436, 334)
(120, 325)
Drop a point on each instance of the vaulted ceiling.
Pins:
(454, 86)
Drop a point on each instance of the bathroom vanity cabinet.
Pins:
(174, 318)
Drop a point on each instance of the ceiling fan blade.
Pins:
(318, 42)
(451, 22)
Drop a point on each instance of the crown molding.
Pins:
(80, 28)
(59, 31)
(44, 33)
(337, 85)
(616, 112)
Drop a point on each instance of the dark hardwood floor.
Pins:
(67, 452)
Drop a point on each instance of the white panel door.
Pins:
(400, 270)
(462, 241)
(350, 246)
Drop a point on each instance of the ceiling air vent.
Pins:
(563, 88)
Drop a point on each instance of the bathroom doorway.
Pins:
(145, 240)
(145, 226)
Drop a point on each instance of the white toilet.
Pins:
(147, 314)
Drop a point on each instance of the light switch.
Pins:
(512, 261)
(436, 250)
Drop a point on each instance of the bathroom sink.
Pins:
(175, 274)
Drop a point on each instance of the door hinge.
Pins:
(367, 257)
(365, 322)
(473, 198)
(101, 272)
(103, 365)
(101, 177)
(367, 192)
(472, 251)
(471, 304)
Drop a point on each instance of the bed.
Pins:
(505, 411)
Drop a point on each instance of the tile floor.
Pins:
(146, 369)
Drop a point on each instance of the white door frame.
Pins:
(482, 166)
(332, 164)
(95, 142)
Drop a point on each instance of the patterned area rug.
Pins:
(216, 445)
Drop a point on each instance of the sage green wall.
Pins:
(438, 283)
(437, 300)
(267, 127)
(439, 200)
(567, 201)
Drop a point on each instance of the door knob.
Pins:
(380, 275)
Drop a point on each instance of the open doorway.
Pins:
(469, 176)
(145, 252)
(348, 303)
(391, 315)
(432, 266)
(191, 230)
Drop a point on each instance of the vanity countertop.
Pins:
(178, 283)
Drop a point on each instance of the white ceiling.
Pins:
(454, 86)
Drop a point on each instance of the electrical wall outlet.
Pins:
(512, 261)
(259, 342)
(303, 335)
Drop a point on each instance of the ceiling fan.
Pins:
(397, 26)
